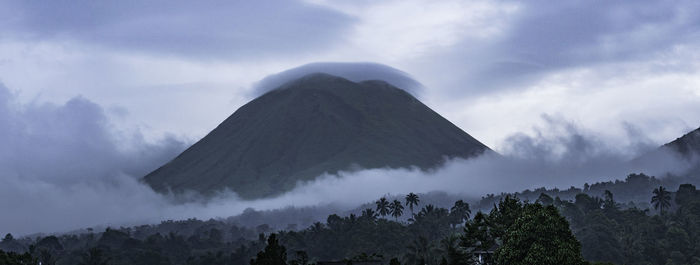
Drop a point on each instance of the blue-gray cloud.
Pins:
(355, 72)
(203, 29)
(546, 36)
(71, 143)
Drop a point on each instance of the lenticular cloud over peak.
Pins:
(355, 72)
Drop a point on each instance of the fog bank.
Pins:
(64, 168)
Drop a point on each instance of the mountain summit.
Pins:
(316, 124)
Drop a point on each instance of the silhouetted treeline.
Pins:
(632, 192)
(582, 227)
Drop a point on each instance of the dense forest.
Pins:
(554, 227)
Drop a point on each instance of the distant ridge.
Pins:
(315, 124)
(687, 145)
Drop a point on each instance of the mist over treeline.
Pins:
(67, 162)
(600, 229)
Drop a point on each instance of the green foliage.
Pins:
(273, 254)
(421, 251)
(459, 212)
(608, 232)
(504, 215)
(94, 256)
(394, 261)
(545, 199)
(301, 258)
(539, 236)
(478, 234)
(11, 258)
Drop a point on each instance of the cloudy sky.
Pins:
(492, 67)
(109, 88)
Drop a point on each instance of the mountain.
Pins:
(318, 123)
(679, 157)
(688, 145)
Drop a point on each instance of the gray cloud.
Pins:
(65, 166)
(546, 36)
(210, 30)
(355, 72)
(72, 143)
(72, 195)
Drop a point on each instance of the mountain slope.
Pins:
(318, 123)
(688, 145)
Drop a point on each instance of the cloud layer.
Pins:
(215, 30)
(355, 72)
(64, 169)
(613, 79)
(476, 58)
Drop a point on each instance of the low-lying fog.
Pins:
(64, 167)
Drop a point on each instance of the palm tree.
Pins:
(412, 200)
(316, 228)
(382, 207)
(369, 214)
(396, 209)
(427, 210)
(459, 212)
(661, 199)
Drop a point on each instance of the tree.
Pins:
(452, 254)
(477, 236)
(608, 201)
(539, 236)
(369, 214)
(302, 258)
(394, 261)
(587, 203)
(419, 252)
(11, 258)
(685, 194)
(94, 256)
(46, 257)
(459, 212)
(383, 206)
(396, 209)
(273, 254)
(411, 201)
(504, 214)
(661, 199)
(545, 199)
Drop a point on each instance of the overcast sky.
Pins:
(491, 67)
(91, 91)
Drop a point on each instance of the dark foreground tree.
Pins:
(396, 209)
(382, 206)
(302, 258)
(11, 258)
(459, 212)
(94, 256)
(539, 236)
(661, 199)
(273, 254)
(411, 201)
